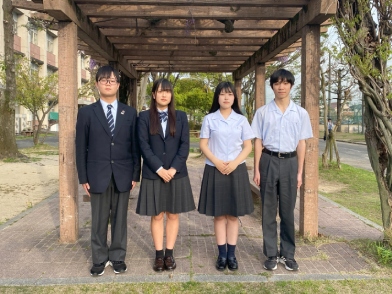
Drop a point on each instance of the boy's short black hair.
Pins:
(282, 75)
(105, 72)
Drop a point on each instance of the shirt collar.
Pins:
(233, 116)
(289, 108)
(165, 110)
(105, 104)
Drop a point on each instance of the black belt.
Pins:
(280, 154)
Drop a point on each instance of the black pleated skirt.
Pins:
(225, 194)
(156, 196)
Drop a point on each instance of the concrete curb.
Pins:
(185, 278)
(27, 211)
(365, 220)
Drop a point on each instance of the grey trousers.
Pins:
(278, 189)
(112, 205)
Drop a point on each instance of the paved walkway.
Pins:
(30, 249)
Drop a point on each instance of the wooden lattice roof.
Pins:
(187, 35)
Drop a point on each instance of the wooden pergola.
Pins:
(185, 36)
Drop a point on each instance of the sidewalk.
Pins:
(30, 249)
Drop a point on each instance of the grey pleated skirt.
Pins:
(156, 196)
(225, 194)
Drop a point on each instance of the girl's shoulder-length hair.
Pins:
(227, 87)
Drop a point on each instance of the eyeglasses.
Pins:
(105, 81)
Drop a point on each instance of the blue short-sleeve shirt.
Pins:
(225, 136)
(281, 132)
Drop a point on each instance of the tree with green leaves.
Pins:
(8, 146)
(365, 27)
(194, 97)
(89, 89)
(39, 94)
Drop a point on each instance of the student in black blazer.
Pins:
(108, 164)
(165, 188)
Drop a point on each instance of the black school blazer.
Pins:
(99, 155)
(167, 151)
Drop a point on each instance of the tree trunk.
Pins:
(368, 57)
(37, 132)
(124, 89)
(142, 91)
(373, 153)
(8, 146)
(339, 103)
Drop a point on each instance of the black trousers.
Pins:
(114, 205)
(278, 189)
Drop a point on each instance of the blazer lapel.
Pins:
(101, 116)
(120, 117)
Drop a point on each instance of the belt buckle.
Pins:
(280, 156)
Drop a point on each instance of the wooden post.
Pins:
(133, 93)
(237, 87)
(68, 105)
(259, 85)
(310, 92)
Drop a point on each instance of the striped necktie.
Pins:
(110, 119)
(163, 116)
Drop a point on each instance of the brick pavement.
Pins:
(30, 249)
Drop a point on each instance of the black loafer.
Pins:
(158, 264)
(221, 263)
(232, 263)
(170, 263)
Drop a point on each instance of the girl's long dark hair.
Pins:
(154, 117)
(228, 88)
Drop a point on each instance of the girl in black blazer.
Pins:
(165, 188)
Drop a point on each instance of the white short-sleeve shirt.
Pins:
(281, 132)
(225, 136)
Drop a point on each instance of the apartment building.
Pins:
(41, 47)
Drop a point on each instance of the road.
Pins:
(352, 154)
(28, 142)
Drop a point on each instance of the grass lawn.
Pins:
(342, 286)
(193, 139)
(355, 189)
(349, 137)
(22, 137)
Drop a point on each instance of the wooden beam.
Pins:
(317, 12)
(237, 89)
(28, 5)
(88, 32)
(310, 91)
(191, 12)
(182, 33)
(185, 24)
(213, 49)
(132, 99)
(68, 105)
(212, 68)
(235, 3)
(184, 54)
(187, 41)
(260, 85)
(154, 59)
(142, 62)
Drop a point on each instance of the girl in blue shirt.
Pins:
(225, 190)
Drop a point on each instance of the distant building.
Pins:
(345, 107)
(41, 47)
